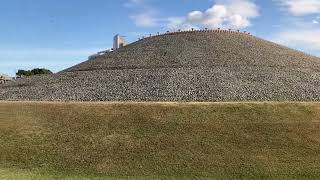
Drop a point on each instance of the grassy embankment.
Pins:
(166, 140)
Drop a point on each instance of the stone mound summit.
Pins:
(184, 66)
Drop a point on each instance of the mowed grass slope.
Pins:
(165, 140)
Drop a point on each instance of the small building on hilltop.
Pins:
(5, 78)
(119, 42)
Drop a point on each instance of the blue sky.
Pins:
(59, 34)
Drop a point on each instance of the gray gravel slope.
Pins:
(193, 66)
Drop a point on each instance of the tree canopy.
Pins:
(36, 71)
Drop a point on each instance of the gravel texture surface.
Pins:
(185, 66)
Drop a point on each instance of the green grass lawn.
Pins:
(42, 140)
(33, 174)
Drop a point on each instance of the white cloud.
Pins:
(301, 7)
(195, 16)
(144, 16)
(145, 20)
(224, 14)
(239, 21)
(299, 32)
(306, 39)
(175, 23)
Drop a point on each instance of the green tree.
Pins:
(36, 71)
(21, 73)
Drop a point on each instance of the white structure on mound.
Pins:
(99, 54)
(119, 42)
(5, 78)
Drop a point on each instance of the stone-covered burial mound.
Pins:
(186, 66)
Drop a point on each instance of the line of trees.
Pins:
(36, 71)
